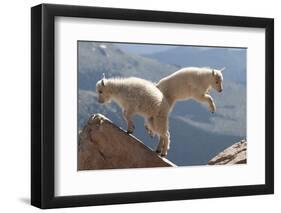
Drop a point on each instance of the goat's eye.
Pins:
(100, 92)
(217, 82)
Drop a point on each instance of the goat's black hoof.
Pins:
(130, 131)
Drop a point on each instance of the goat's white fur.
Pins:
(191, 83)
(138, 96)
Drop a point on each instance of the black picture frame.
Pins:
(43, 102)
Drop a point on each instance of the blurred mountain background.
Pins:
(196, 134)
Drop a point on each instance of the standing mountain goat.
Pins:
(191, 83)
(138, 96)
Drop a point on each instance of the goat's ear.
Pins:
(213, 72)
(102, 82)
(222, 69)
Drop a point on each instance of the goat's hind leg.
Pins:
(165, 144)
(160, 146)
(161, 125)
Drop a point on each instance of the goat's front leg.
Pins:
(207, 98)
(127, 116)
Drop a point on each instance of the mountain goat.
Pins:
(192, 83)
(138, 96)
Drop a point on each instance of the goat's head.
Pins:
(217, 79)
(103, 91)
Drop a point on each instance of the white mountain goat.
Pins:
(138, 96)
(192, 83)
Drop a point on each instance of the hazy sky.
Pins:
(144, 49)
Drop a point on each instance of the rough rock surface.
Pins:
(235, 154)
(102, 145)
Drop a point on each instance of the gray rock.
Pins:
(235, 154)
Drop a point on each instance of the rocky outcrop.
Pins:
(235, 154)
(103, 145)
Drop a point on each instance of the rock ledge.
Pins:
(235, 154)
(103, 145)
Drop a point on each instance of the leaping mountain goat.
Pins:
(192, 83)
(138, 96)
